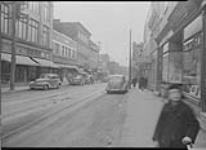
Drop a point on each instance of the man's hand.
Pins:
(187, 140)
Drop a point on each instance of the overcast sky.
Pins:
(109, 22)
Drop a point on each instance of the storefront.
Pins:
(152, 77)
(192, 58)
(25, 68)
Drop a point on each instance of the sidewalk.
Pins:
(6, 90)
(143, 109)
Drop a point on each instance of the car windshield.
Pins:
(48, 76)
(116, 78)
(44, 76)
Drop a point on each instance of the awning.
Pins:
(20, 60)
(67, 66)
(25, 61)
(6, 57)
(46, 63)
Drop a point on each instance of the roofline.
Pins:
(84, 28)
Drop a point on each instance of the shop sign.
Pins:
(194, 27)
(192, 43)
(33, 53)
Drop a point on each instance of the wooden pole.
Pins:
(203, 61)
(130, 64)
(13, 48)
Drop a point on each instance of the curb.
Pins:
(15, 91)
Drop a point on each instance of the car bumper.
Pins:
(36, 86)
(116, 90)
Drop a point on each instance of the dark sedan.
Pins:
(117, 83)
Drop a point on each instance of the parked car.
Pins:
(117, 83)
(78, 80)
(46, 81)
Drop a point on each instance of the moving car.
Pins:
(46, 81)
(117, 83)
(78, 80)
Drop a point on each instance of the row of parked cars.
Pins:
(50, 80)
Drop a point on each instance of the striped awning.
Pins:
(20, 60)
(45, 63)
(67, 66)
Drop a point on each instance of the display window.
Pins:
(165, 63)
(191, 66)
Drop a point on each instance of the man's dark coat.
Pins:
(176, 122)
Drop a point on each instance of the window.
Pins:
(33, 31)
(46, 17)
(191, 69)
(62, 50)
(56, 48)
(45, 36)
(34, 7)
(71, 56)
(21, 26)
(69, 52)
(66, 52)
(74, 54)
(5, 19)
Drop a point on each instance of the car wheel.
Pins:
(46, 87)
(108, 92)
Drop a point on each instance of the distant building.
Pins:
(93, 55)
(33, 41)
(65, 55)
(104, 60)
(81, 35)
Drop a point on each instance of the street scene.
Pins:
(103, 74)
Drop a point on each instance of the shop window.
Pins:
(191, 67)
(5, 72)
(165, 63)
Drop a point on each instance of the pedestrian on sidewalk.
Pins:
(177, 123)
(134, 82)
(141, 83)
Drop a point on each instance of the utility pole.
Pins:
(0, 63)
(203, 60)
(13, 47)
(130, 64)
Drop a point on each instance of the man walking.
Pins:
(177, 123)
(134, 81)
(141, 83)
